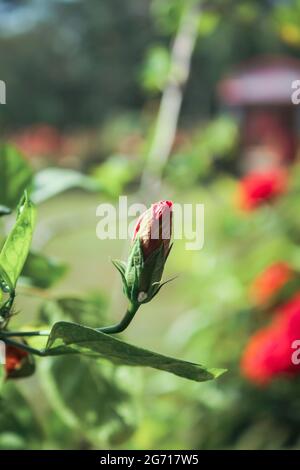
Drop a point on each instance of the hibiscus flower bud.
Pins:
(142, 274)
(154, 228)
(15, 359)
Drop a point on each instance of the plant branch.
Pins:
(23, 346)
(124, 323)
(8, 334)
(113, 329)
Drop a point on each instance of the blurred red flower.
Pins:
(259, 187)
(269, 352)
(270, 282)
(39, 141)
(14, 359)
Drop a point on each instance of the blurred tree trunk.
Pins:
(170, 106)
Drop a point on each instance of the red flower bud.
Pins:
(14, 359)
(154, 228)
(142, 274)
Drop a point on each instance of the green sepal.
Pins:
(152, 273)
(140, 276)
(154, 266)
(134, 270)
(121, 267)
(158, 285)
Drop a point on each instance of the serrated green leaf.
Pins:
(15, 175)
(68, 338)
(17, 244)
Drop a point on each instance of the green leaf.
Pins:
(18, 422)
(42, 271)
(75, 388)
(90, 311)
(208, 23)
(15, 175)
(114, 174)
(7, 296)
(156, 69)
(17, 244)
(68, 338)
(4, 211)
(52, 181)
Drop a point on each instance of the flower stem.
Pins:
(25, 333)
(23, 346)
(124, 323)
(113, 329)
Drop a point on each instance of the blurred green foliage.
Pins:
(104, 65)
(81, 61)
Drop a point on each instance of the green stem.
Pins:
(118, 328)
(124, 323)
(23, 346)
(25, 333)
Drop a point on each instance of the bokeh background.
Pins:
(159, 99)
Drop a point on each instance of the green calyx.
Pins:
(142, 278)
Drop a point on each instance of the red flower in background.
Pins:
(269, 351)
(259, 187)
(14, 359)
(39, 141)
(270, 282)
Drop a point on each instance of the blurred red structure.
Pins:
(270, 282)
(269, 352)
(40, 141)
(260, 92)
(261, 187)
